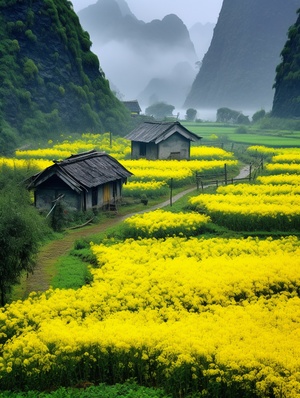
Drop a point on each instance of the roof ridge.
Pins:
(150, 122)
(81, 156)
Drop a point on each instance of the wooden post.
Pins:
(225, 173)
(250, 172)
(197, 180)
(171, 192)
(262, 163)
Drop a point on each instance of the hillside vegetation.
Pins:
(286, 100)
(50, 81)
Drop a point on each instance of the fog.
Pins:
(132, 73)
(190, 11)
(208, 115)
(157, 70)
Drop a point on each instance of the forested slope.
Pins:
(287, 85)
(50, 81)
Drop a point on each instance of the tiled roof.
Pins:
(133, 106)
(159, 131)
(85, 170)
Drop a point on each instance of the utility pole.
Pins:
(171, 191)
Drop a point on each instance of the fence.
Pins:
(223, 179)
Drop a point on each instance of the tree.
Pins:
(258, 115)
(226, 115)
(159, 110)
(21, 230)
(242, 119)
(191, 114)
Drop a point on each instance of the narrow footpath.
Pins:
(40, 280)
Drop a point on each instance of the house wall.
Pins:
(135, 150)
(44, 198)
(106, 194)
(151, 151)
(143, 150)
(175, 147)
(46, 193)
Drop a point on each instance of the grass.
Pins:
(255, 136)
(71, 273)
(83, 390)
(71, 270)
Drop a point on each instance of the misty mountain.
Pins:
(287, 85)
(172, 88)
(133, 52)
(50, 80)
(238, 70)
(125, 10)
(201, 35)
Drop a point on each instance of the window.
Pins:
(143, 149)
(94, 196)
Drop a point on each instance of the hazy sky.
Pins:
(190, 11)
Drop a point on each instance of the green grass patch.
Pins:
(270, 140)
(255, 136)
(71, 273)
(126, 390)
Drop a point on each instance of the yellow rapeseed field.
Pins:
(214, 316)
(187, 314)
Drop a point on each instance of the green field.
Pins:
(228, 133)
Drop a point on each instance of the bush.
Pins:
(241, 130)
(30, 69)
(159, 110)
(191, 114)
(258, 115)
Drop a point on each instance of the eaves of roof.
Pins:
(157, 132)
(83, 171)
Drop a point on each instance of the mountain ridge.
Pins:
(145, 50)
(238, 69)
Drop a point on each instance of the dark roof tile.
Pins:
(84, 170)
(159, 131)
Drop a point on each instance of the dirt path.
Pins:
(44, 271)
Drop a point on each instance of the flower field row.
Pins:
(160, 223)
(30, 165)
(115, 146)
(261, 189)
(118, 147)
(284, 159)
(263, 150)
(145, 172)
(251, 212)
(280, 179)
(213, 316)
(210, 153)
(272, 204)
(149, 188)
(293, 157)
(182, 172)
(281, 168)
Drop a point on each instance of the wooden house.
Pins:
(133, 107)
(84, 181)
(161, 140)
